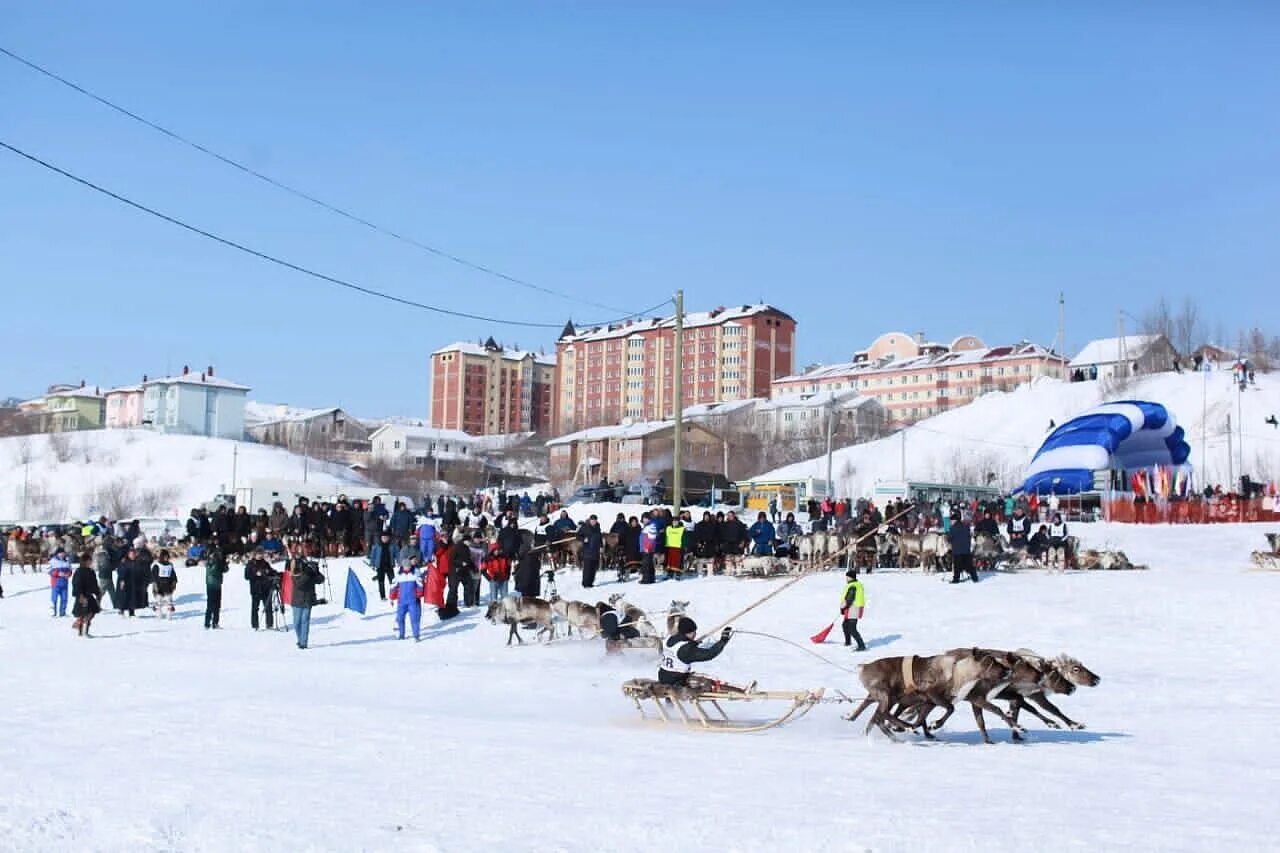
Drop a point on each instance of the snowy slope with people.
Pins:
(1000, 432)
(158, 734)
(138, 472)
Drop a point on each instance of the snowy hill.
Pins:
(998, 433)
(136, 472)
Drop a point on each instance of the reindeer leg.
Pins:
(1043, 702)
(981, 702)
(982, 724)
(1023, 706)
(866, 703)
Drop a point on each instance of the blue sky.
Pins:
(939, 167)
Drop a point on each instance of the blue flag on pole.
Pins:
(356, 599)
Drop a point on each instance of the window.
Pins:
(395, 445)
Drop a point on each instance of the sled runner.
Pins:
(691, 706)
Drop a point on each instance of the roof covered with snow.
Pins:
(988, 355)
(692, 320)
(1107, 350)
(849, 399)
(712, 410)
(197, 379)
(95, 393)
(126, 389)
(635, 430)
(512, 354)
(425, 433)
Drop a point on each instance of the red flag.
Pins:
(821, 636)
(286, 589)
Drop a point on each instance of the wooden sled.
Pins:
(683, 700)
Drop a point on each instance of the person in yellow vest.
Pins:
(675, 547)
(852, 602)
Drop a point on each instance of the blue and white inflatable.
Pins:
(1127, 436)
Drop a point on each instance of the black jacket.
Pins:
(529, 574)
(509, 541)
(689, 653)
(592, 540)
(987, 527)
(305, 578)
(259, 575)
(461, 563)
(960, 538)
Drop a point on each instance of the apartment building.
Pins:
(625, 371)
(485, 389)
(913, 378)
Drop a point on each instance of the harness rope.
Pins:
(810, 652)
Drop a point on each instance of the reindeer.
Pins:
(633, 616)
(515, 611)
(674, 611)
(28, 552)
(577, 614)
(936, 681)
(1069, 670)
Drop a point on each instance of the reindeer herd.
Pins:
(543, 614)
(34, 552)
(904, 690)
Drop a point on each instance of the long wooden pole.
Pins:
(800, 577)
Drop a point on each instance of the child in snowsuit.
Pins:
(164, 580)
(406, 593)
(59, 579)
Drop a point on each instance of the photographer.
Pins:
(262, 579)
(305, 574)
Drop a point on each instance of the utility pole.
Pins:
(306, 450)
(831, 410)
(677, 394)
(1230, 455)
(1060, 342)
(1240, 426)
(26, 470)
(902, 462)
(235, 458)
(1122, 360)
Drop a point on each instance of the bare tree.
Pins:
(157, 500)
(1158, 320)
(115, 497)
(60, 445)
(1188, 330)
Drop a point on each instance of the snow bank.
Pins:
(1000, 432)
(137, 472)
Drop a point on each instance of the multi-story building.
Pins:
(194, 404)
(914, 378)
(124, 406)
(488, 390)
(624, 371)
(70, 409)
(631, 451)
(330, 433)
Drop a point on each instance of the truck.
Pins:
(263, 494)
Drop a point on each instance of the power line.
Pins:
(332, 208)
(368, 291)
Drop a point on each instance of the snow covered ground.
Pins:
(137, 472)
(160, 735)
(1000, 432)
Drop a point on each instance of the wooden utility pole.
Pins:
(677, 395)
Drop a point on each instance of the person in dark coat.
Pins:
(529, 572)
(961, 540)
(632, 556)
(461, 567)
(215, 566)
(340, 526)
(305, 576)
(733, 535)
(509, 541)
(131, 581)
(705, 537)
(592, 543)
(401, 522)
(241, 526)
(261, 578)
(85, 593)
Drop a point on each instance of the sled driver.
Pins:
(682, 651)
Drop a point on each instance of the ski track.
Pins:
(162, 736)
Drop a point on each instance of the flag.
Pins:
(356, 599)
(286, 589)
(821, 636)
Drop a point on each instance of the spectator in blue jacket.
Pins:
(59, 581)
(762, 535)
(400, 524)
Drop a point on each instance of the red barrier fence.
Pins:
(1218, 511)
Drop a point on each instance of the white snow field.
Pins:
(159, 735)
(999, 432)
